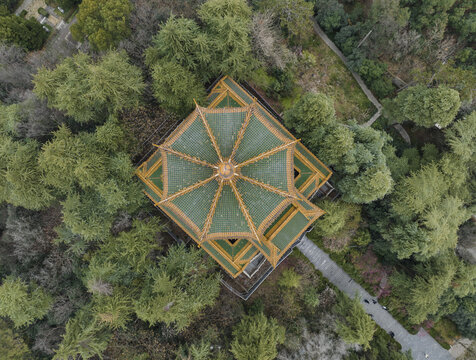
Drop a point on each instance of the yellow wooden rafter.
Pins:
(211, 213)
(242, 130)
(245, 212)
(185, 156)
(209, 131)
(267, 187)
(267, 153)
(188, 189)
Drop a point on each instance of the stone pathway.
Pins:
(356, 76)
(421, 344)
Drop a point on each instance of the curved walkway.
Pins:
(421, 344)
(356, 76)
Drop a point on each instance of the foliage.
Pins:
(12, 346)
(21, 183)
(293, 16)
(425, 106)
(175, 87)
(267, 41)
(355, 326)
(178, 289)
(461, 137)
(89, 91)
(330, 15)
(310, 111)
(228, 24)
(256, 337)
(96, 179)
(103, 23)
(374, 74)
(429, 13)
(289, 279)
(465, 316)
(21, 302)
(27, 33)
(341, 218)
(84, 337)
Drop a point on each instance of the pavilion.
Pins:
(235, 180)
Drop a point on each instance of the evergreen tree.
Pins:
(90, 91)
(84, 337)
(12, 346)
(311, 111)
(178, 289)
(465, 316)
(256, 338)
(175, 87)
(293, 15)
(21, 180)
(103, 23)
(23, 303)
(425, 106)
(228, 23)
(27, 33)
(355, 326)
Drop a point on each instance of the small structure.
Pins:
(236, 181)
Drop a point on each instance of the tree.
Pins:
(228, 24)
(15, 73)
(23, 303)
(422, 294)
(340, 218)
(426, 14)
(178, 289)
(84, 337)
(181, 41)
(267, 41)
(293, 15)
(425, 106)
(27, 33)
(374, 74)
(371, 184)
(461, 137)
(21, 183)
(175, 87)
(330, 15)
(354, 326)
(12, 346)
(90, 91)
(290, 279)
(312, 110)
(465, 316)
(103, 23)
(256, 338)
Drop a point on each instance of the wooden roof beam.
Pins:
(242, 130)
(245, 212)
(185, 156)
(209, 131)
(188, 189)
(267, 153)
(211, 213)
(267, 187)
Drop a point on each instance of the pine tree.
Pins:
(90, 91)
(84, 337)
(103, 23)
(178, 289)
(256, 338)
(12, 346)
(355, 326)
(23, 303)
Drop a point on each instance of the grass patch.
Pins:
(330, 76)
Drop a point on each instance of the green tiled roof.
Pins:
(227, 172)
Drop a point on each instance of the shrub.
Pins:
(43, 12)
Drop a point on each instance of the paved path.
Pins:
(420, 344)
(356, 76)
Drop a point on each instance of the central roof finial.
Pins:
(226, 170)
